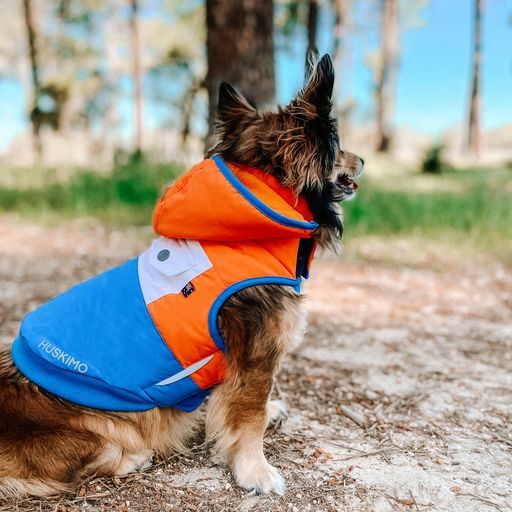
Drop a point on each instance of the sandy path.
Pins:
(421, 358)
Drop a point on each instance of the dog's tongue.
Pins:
(347, 182)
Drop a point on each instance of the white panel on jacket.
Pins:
(168, 265)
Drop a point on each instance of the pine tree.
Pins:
(474, 142)
(387, 73)
(136, 74)
(240, 50)
(33, 54)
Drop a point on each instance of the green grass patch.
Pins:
(475, 206)
(127, 195)
(472, 208)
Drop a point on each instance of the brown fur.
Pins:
(48, 445)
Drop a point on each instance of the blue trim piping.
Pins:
(219, 301)
(257, 203)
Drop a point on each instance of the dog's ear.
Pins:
(312, 57)
(232, 104)
(318, 90)
(234, 114)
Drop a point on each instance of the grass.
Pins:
(471, 207)
(127, 195)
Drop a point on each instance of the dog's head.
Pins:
(298, 144)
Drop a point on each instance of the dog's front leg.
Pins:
(258, 325)
(237, 419)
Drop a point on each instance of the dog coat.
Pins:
(145, 334)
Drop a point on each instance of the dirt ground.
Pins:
(400, 398)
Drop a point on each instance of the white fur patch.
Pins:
(253, 472)
(134, 462)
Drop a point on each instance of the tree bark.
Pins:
(137, 74)
(342, 63)
(387, 73)
(187, 107)
(474, 142)
(240, 48)
(312, 26)
(339, 7)
(33, 55)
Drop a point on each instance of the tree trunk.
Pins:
(312, 26)
(137, 74)
(30, 30)
(341, 56)
(187, 107)
(474, 142)
(339, 7)
(240, 48)
(387, 72)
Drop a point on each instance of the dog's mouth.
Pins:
(346, 184)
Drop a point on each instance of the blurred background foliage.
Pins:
(118, 98)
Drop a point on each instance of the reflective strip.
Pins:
(186, 372)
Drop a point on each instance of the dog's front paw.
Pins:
(260, 478)
(277, 412)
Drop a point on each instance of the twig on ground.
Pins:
(482, 499)
(91, 497)
(413, 500)
(355, 416)
(341, 445)
(366, 454)
(503, 439)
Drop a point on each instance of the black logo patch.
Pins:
(188, 289)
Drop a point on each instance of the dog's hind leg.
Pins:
(43, 451)
(134, 462)
(133, 438)
(45, 460)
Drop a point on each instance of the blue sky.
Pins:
(435, 66)
(432, 92)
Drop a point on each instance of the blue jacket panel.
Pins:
(57, 348)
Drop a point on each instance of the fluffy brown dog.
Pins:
(48, 445)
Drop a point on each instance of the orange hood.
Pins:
(215, 201)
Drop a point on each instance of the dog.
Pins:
(49, 445)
